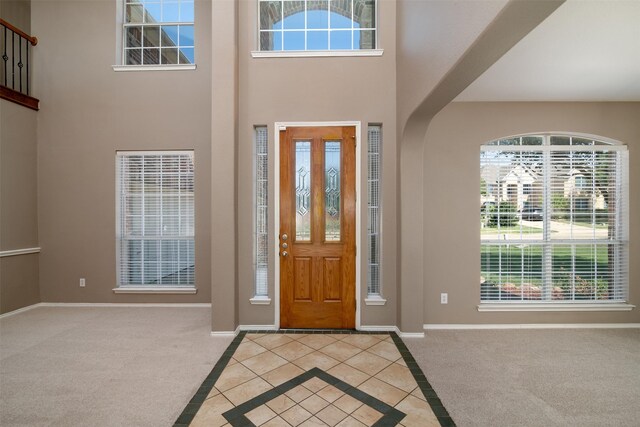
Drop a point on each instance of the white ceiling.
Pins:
(587, 50)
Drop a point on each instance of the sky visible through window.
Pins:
(316, 40)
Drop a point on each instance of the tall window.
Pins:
(374, 161)
(158, 32)
(155, 219)
(317, 24)
(563, 237)
(261, 189)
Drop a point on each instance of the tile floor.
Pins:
(300, 379)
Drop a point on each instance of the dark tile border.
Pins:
(429, 393)
(201, 394)
(189, 412)
(390, 415)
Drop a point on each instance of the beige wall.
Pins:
(310, 90)
(18, 206)
(17, 13)
(88, 112)
(451, 226)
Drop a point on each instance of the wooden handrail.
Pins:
(31, 39)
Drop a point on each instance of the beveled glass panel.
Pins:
(341, 14)
(332, 190)
(303, 190)
(186, 35)
(270, 40)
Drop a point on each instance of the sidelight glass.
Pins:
(303, 191)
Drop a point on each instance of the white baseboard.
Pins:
(20, 310)
(533, 326)
(223, 334)
(126, 304)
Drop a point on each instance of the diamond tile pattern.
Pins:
(313, 379)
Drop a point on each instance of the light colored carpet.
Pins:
(545, 378)
(111, 366)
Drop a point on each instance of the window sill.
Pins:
(614, 306)
(260, 300)
(315, 53)
(154, 67)
(154, 290)
(375, 300)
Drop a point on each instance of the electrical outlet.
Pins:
(444, 298)
(82, 282)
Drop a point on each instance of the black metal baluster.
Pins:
(13, 60)
(4, 56)
(27, 67)
(20, 64)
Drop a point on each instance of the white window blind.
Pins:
(554, 220)
(261, 189)
(374, 161)
(155, 218)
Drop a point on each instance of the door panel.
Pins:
(317, 227)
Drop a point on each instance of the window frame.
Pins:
(121, 41)
(188, 288)
(374, 296)
(260, 178)
(620, 240)
(375, 51)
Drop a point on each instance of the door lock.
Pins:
(285, 253)
(285, 246)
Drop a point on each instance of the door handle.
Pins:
(285, 253)
(284, 237)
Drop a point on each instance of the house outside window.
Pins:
(155, 219)
(158, 32)
(565, 246)
(317, 25)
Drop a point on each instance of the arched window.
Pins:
(302, 25)
(564, 238)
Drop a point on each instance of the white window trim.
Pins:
(550, 306)
(314, 53)
(319, 53)
(144, 289)
(120, 25)
(168, 67)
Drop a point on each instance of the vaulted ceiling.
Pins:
(587, 50)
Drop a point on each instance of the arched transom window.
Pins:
(304, 25)
(554, 220)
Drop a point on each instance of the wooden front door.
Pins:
(317, 227)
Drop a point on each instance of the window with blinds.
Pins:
(155, 219)
(554, 220)
(261, 193)
(374, 164)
